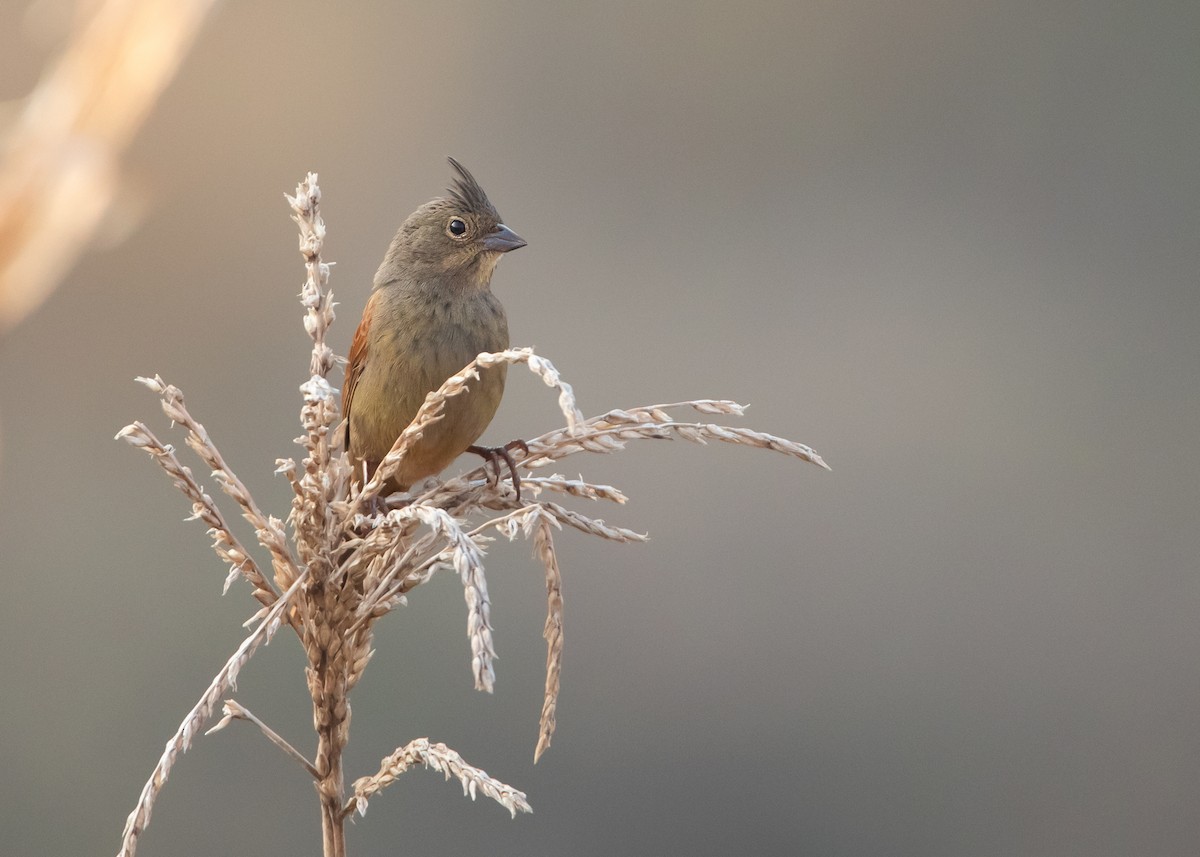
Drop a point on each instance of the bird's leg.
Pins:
(377, 504)
(493, 455)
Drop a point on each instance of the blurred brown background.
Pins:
(952, 246)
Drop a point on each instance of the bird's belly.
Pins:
(405, 382)
(464, 419)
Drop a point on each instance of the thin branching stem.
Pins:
(234, 710)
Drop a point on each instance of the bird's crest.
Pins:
(467, 192)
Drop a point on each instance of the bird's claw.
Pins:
(493, 455)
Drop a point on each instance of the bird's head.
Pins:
(459, 237)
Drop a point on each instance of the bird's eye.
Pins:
(457, 227)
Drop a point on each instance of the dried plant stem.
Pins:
(234, 710)
(434, 405)
(347, 556)
(336, 657)
(269, 530)
(553, 631)
(328, 680)
(181, 741)
(440, 758)
(331, 787)
(227, 546)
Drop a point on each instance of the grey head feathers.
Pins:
(466, 192)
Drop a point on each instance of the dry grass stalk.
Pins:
(440, 758)
(200, 714)
(60, 167)
(353, 555)
(234, 710)
(553, 630)
(225, 543)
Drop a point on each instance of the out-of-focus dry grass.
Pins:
(60, 167)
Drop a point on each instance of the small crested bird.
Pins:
(431, 312)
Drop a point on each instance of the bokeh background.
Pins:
(952, 246)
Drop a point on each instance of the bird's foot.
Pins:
(493, 455)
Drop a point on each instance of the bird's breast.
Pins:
(423, 340)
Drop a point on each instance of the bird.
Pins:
(430, 312)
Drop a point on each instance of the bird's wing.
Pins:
(356, 362)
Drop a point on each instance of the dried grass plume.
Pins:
(345, 558)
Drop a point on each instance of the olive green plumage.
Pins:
(431, 312)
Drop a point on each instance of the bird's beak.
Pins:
(503, 239)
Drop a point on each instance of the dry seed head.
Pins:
(353, 554)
